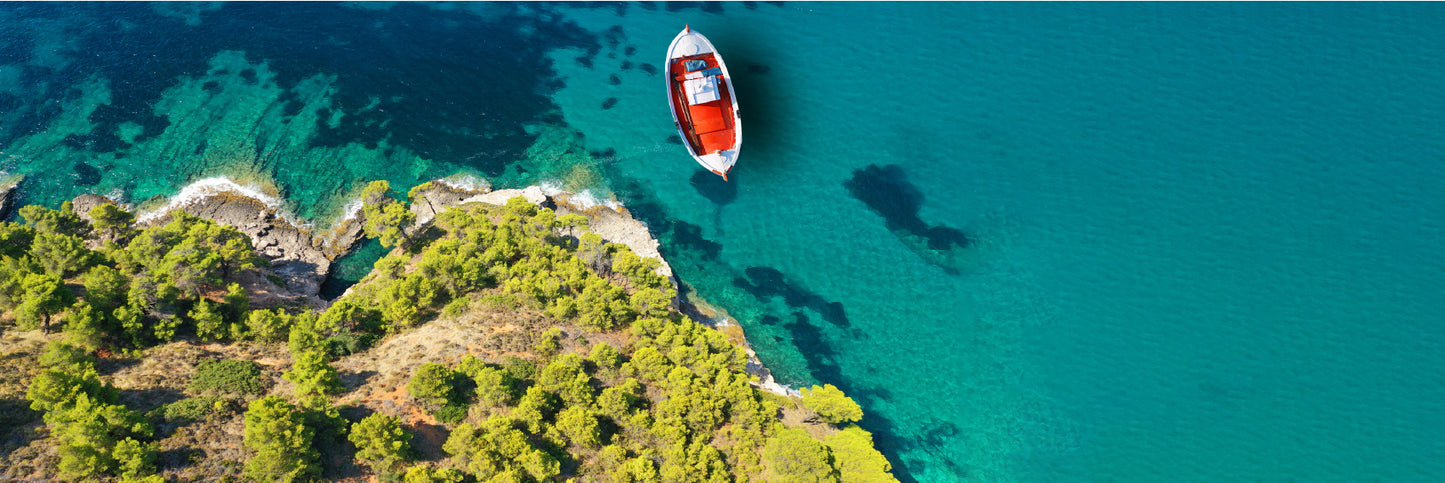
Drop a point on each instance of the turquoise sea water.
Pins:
(1038, 242)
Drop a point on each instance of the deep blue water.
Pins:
(1038, 242)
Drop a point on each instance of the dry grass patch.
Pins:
(26, 452)
(206, 450)
(797, 417)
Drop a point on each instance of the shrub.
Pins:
(431, 385)
(228, 376)
(192, 409)
(451, 413)
(550, 344)
(381, 442)
(269, 325)
(346, 343)
(519, 368)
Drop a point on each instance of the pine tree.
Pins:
(111, 219)
(431, 385)
(209, 323)
(386, 219)
(313, 375)
(277, 432)
(856, 459)
(44, 295)
(831, 405)
(793, 456)
(381, 442)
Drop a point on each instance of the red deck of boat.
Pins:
(709, 125)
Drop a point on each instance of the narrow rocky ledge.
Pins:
(7, 192)
(614, 225)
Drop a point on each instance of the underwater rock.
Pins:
(887, 191)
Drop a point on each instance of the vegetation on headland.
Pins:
(605, 381)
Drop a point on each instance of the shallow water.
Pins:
(1038, 242)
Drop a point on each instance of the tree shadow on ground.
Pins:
(17, 425)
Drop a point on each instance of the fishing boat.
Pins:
(704, 108)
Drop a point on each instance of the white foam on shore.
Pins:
(204, 188)
(583, 199)
(352, 210)
(120, 198)
(466, 182)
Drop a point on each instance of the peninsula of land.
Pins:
(508, 335)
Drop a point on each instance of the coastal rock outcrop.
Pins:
(533, 195)
(299, 259)
(7, 191)
(618, 226)
(435, 196)
(614, 225)
(84, 203)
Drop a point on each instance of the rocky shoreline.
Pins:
(613, 224)
(7, 192)
(300, 258)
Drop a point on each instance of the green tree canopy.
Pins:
(87, 433)
(209, 323)
(276, 431)
(313, 375)
(15, 239)
(110, 219)
(44, 296)
(385, 219)
(85, 326)
(580, 426)
(856, 458)
(831, 405)
(431, 385)
(381, 442)
(269, 325)
(793, 456)
(54, 222)
(422, 473)
(493, 386)
(61, 255)
(105, 287)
